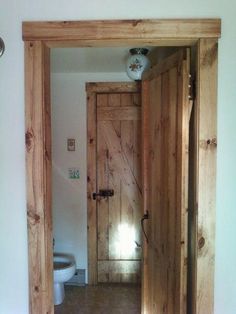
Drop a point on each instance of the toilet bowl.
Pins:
(63, 270)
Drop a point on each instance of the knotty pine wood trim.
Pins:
(179, 32)
(38, 173)
(205, 202)
(122, 29)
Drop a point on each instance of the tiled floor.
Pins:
(101, 299)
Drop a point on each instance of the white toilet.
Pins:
(63, 270)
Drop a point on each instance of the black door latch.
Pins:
(145, 216)
(103, 193)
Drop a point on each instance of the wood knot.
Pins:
(33, 217)
(209, 143)
(136, 22)
(29, 135)
(212, 142)
(36, 289)
(201, 242)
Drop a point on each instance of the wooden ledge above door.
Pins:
(162, 32)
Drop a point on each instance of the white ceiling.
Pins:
(89, 59)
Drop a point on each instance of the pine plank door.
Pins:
(119, 169)
(166, 109)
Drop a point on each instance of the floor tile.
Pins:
(101, 299)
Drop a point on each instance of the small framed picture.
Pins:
(71, 144)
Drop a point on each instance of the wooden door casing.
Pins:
(118, 167)
(204, 33)
(166, 117)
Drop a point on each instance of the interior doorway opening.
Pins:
(115, 215)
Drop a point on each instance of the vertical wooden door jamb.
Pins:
(205, 193)
(38, 169)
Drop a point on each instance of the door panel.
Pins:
(118, 168)
(165, 169)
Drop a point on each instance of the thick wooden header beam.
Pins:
(122, 29)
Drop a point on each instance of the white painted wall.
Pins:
(13, 232)
(70, 195)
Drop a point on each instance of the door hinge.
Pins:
(192, 87)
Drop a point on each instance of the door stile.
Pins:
(92, 186)
(145, 190)
(182, 172)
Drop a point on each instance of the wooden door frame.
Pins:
(39, 37)
(92, 90)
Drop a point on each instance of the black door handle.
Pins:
(103, 193)
(145, 216)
